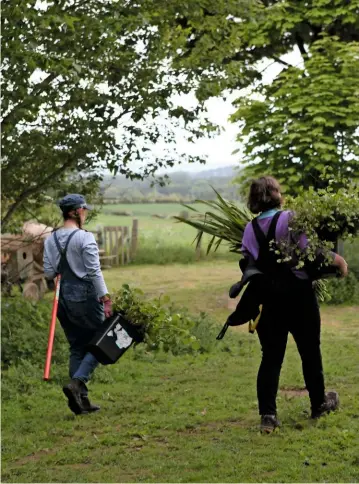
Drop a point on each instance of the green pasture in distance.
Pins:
(161, 240)
(143, 209)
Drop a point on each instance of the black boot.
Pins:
(269, 423)
(87, 405)
(74, 391)
(331, 403)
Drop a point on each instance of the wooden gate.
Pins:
(117, 245)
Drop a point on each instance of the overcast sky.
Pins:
(219, 149)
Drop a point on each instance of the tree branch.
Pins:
(75, 6)
(37, 90)
(278, 59)
(300, 44)
(239, 57)
(31, 191)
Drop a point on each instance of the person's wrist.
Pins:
(105, 298)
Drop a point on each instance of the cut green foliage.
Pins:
(226, 222)
(166, 328)
(324, 216)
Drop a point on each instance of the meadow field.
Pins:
(187, 418)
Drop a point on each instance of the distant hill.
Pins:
(182, 186)
(225, 171)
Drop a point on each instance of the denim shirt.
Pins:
(82, 256)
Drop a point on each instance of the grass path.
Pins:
(201, 287)
(190, 419)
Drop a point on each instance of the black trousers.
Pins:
(297, 312)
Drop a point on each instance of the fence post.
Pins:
(128, 245)
(123, 230)
(111, 242)
(99, 237)
(105, 239)
(124, 242)
(134, 238)
(117, 246)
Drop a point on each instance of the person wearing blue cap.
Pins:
(84, 301)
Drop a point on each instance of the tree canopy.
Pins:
(90, 84)
(85, 85)
(306, 119)
(306, 122)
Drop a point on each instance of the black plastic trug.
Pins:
(113, 340)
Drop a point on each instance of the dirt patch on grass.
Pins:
(231, 303)
(33, 457)
(294, 391)
(78, 466)
(331, 321)
(339, 317)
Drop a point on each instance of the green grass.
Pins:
(186, 419)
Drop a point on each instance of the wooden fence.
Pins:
(117, 245)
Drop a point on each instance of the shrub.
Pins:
(25, 326)
(346, 291)
(24, 332)
(343, 291)
(351, 255)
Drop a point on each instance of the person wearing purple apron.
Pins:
(83, 301)
(289, 305)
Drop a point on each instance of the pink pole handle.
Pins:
(50, 343)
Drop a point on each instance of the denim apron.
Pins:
(80, 312)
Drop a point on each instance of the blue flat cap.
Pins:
(72, 202)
